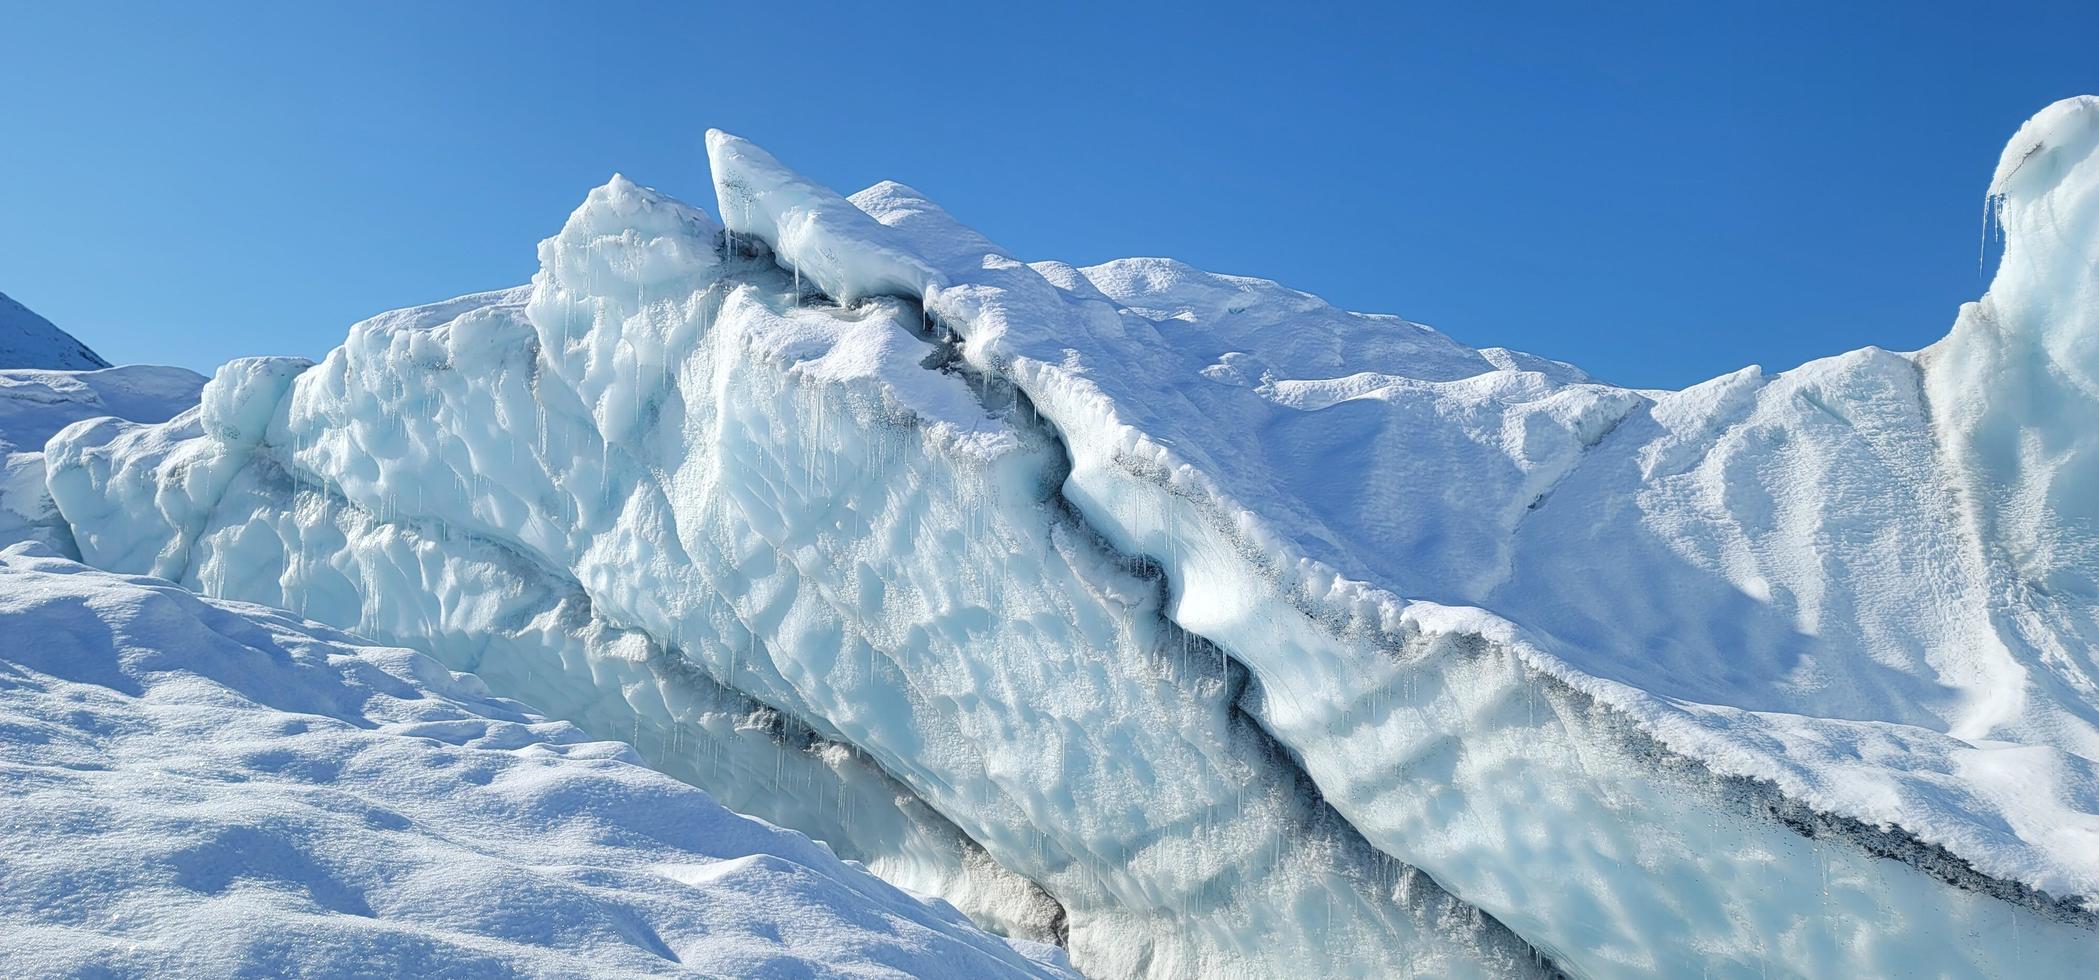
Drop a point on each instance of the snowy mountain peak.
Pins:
(30, 341)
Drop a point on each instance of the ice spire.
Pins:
(2015, 387)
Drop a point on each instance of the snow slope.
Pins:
(1203, 627)
(207, 788)
(30, 341)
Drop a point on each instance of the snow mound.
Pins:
(30, 341)
(1204, 628)
(199, 787)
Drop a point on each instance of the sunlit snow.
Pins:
(1199, 627)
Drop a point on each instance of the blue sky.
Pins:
(1660, 193)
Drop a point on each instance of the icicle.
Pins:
(1982, 245)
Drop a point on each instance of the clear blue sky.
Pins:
(1659, 192)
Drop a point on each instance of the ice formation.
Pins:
(201, 788)
(765, 543)
(35, 404)
(1202, 628)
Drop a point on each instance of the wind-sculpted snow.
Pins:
(1205, 627)
(192, 787)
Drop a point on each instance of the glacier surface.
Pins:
(1202, 628)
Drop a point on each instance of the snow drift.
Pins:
(211, 788)
(1203, 628)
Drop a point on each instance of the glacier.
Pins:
(1198, 627)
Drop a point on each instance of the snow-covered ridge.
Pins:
(1777, 673)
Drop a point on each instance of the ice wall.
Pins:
(1335, 681)
(661, 491)
(2015, 388)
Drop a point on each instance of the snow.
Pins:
(211, 788)
(30, 341)
(1205, 628)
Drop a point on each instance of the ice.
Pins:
(196, 787)
(656, 494)
(2015, 386)
(1204, 628)
(35, 404)
(816, 233)
(1487, 491)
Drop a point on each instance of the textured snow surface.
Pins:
(192, 787)
(30, 341)
(1207, 629)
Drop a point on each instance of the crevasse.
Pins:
(1203, 627)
